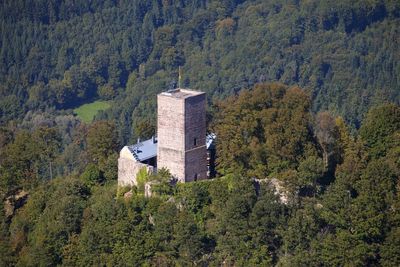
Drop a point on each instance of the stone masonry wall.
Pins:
(127, 170)
(195, 141)
(196, 164)
(170, 135)
(181, 131)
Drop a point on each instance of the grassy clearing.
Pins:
(87, 112)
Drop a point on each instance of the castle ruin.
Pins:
(181, 131)
(182, 145)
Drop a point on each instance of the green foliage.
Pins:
(344, 54)
(86, 112)
(111, 168)
(144, 128)
(142, 177)
(162, 182)
(105, 224)
(379, 127)
(195, 198)
(42, 227)
(28, 158)
(302, 227)
(389, 249)
(188, 240)
(92, 175)
(7, 258)
(122, 190)
(60, 54)
(345, 212)
(101, 142)
(310, 171)
(263, 131)
(352, 219)
(327, 133)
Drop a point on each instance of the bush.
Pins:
(92, 175)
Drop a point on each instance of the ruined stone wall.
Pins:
(127, 170)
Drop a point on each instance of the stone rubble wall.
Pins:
(127, 170)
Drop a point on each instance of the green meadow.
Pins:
(87, 112)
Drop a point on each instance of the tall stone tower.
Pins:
(181, 131)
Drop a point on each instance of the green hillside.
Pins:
(87, 112)
(63, 53)
(338, 202)
(303, 96)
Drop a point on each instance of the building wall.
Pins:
(181, 126)
(170, 134)
(195, 142)
(128, 169)
(196, 164)
(125, 153)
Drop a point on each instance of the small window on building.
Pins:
(195, 142)
(195, 177)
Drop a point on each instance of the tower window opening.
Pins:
(195, 177)
(195, 141)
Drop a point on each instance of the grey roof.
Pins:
(181, 93)
(144, 150)
(210, 138)
(148, 149)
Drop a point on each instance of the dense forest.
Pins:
(58, 54)
(338, 201)
(302, 95)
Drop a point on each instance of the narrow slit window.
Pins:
(195, 177)
(195, 141)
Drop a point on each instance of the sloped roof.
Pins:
(144, 150)
(148, 149)
(210, 138)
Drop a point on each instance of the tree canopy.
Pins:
(304, 99)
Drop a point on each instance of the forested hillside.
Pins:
(59, 54)
(302, 95)
(339, 202)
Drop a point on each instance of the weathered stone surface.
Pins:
(14, 202)
(170, 134)
(276, 185)
(280, 190)
(128, 169)
(147, 188)
(181, 129)
(125, 153)
(181, 147)
(196, 164)
(128, 194)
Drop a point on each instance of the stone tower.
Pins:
(181, 128)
